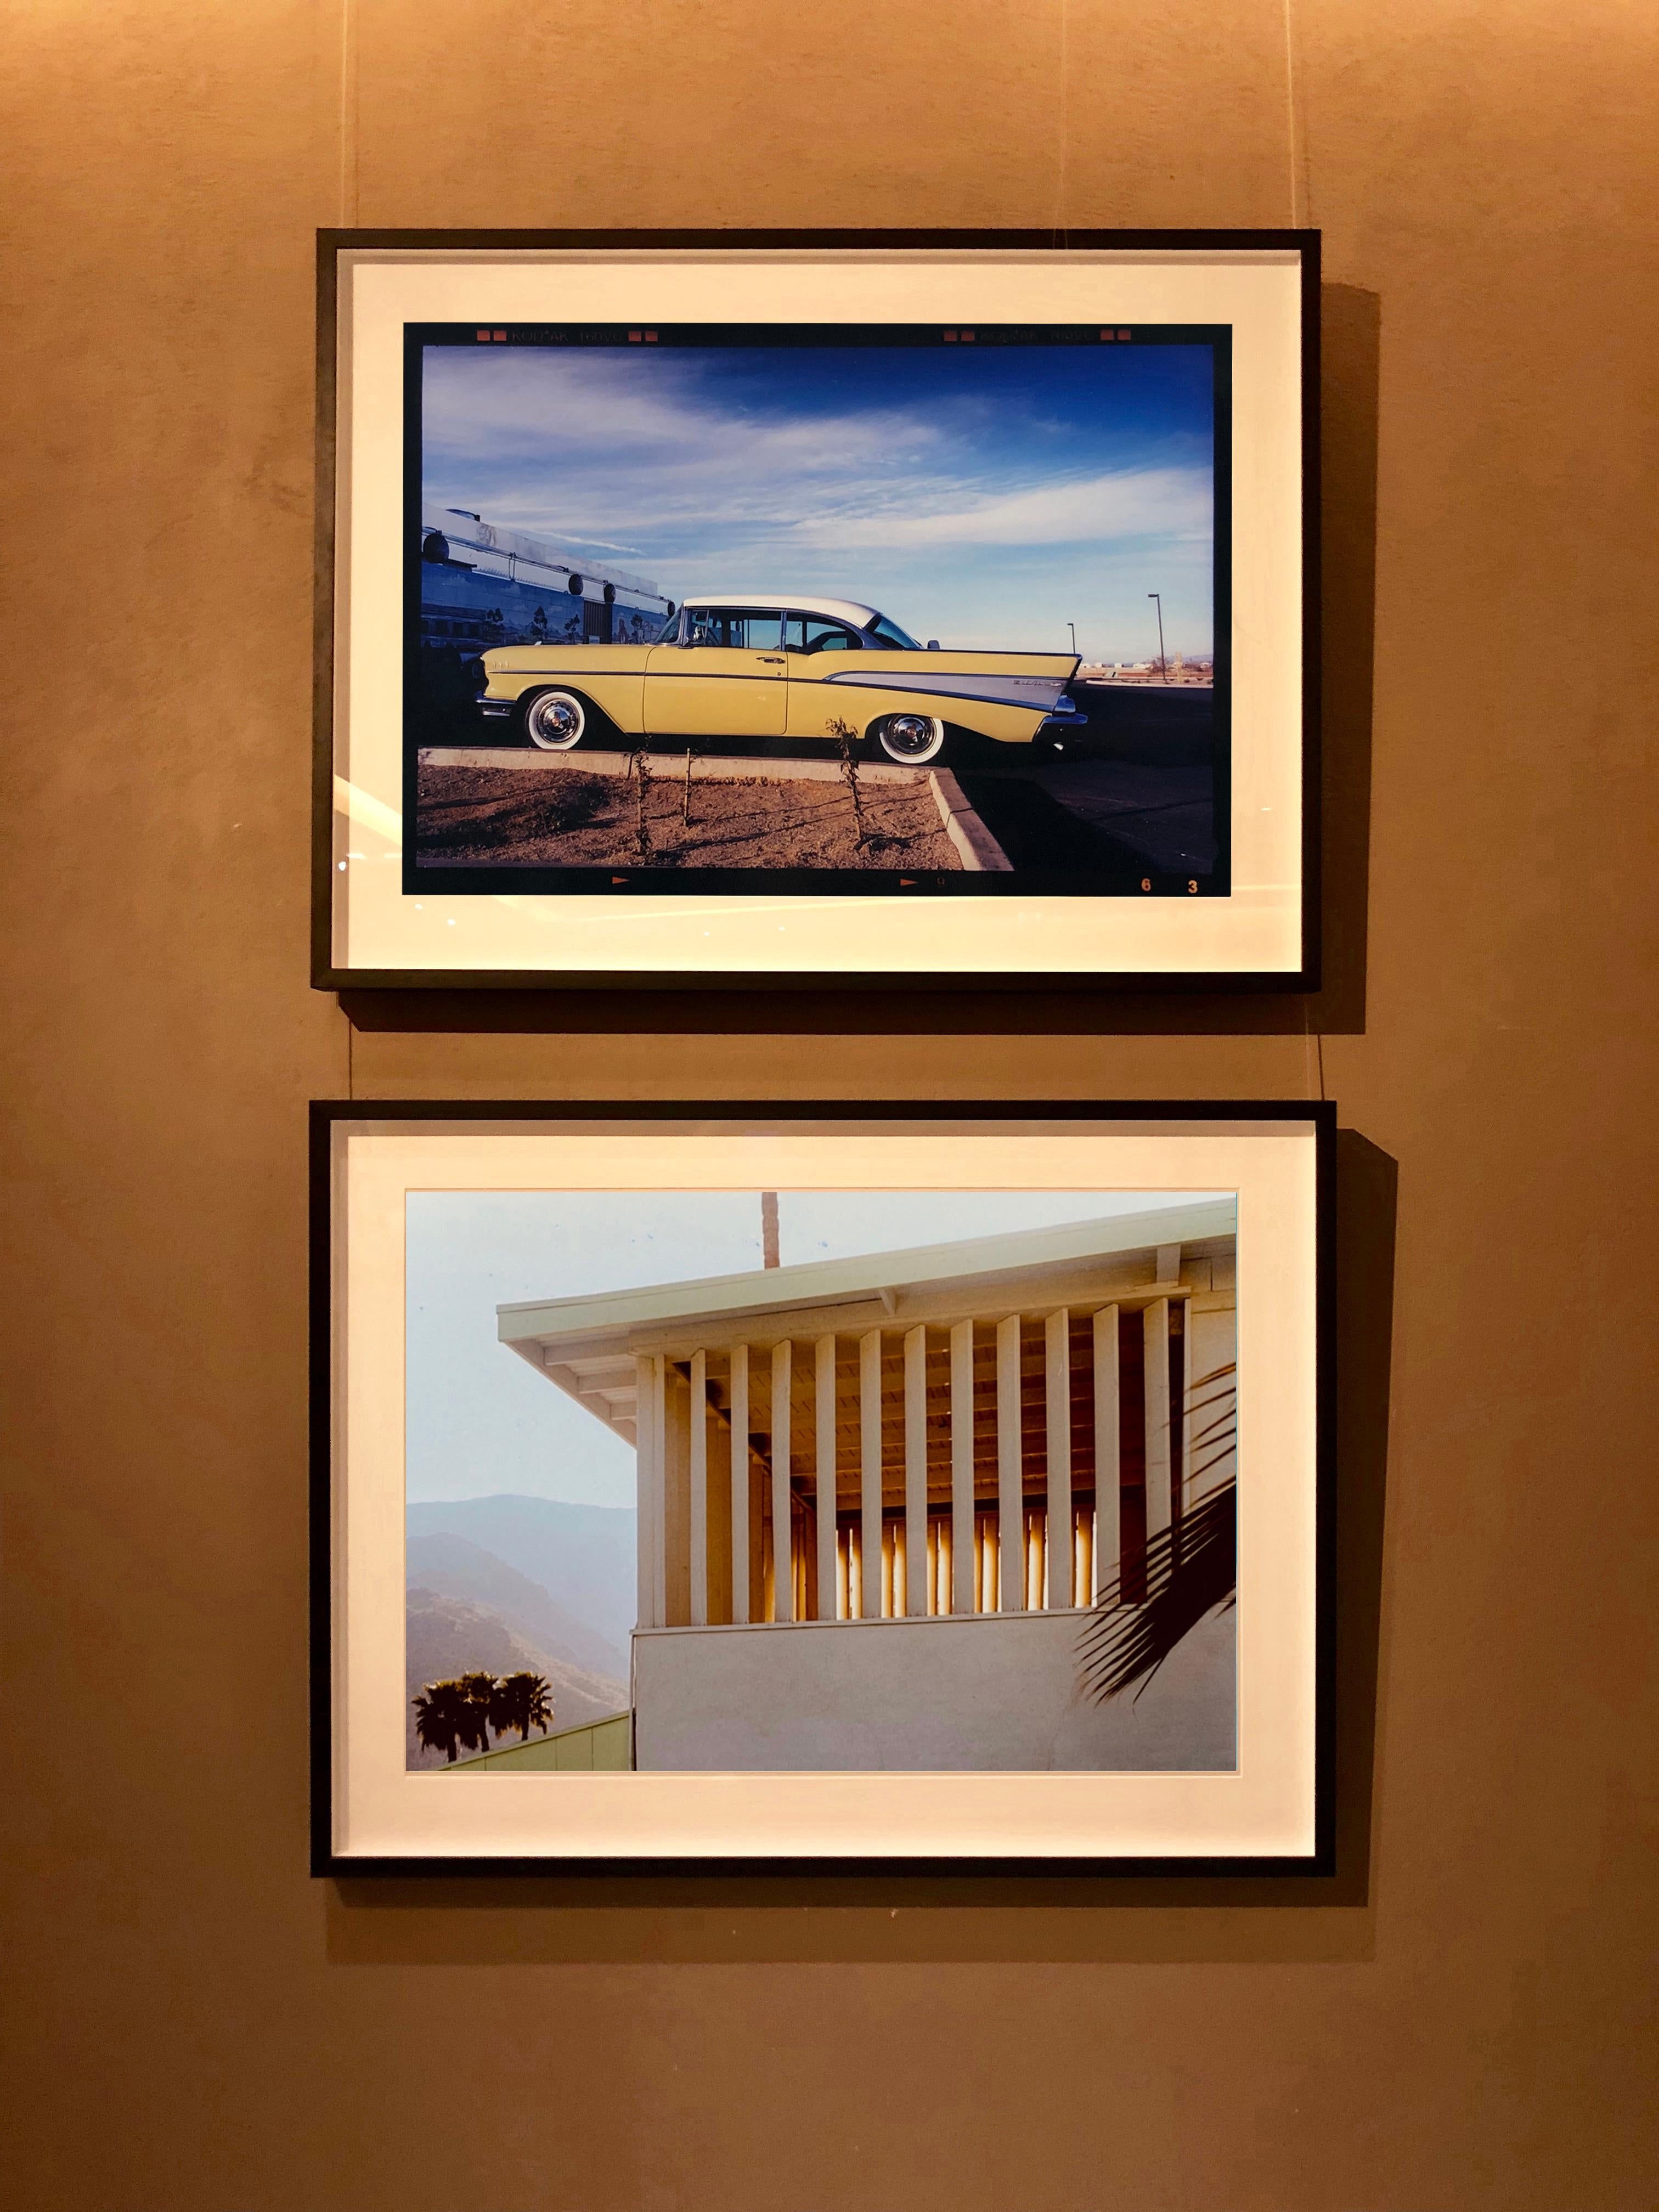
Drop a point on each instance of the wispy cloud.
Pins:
(1093, 510)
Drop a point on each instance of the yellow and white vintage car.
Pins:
(726, 668)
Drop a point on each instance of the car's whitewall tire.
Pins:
(554, 721)
(915, 739)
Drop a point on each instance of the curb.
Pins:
(977, 849)
(712, 768)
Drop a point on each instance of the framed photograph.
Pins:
(709, 1485)
(832, 608)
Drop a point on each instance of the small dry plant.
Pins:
(641, 771)
(845, 736)
(685, 792)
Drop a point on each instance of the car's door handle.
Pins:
(778, 657)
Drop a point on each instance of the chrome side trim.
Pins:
(1038, 692)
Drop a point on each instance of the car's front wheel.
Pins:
(913, 738)
(554, 721)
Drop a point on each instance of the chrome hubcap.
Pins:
(555, 722)
(910, 733)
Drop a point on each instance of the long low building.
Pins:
(483, 586)
(925, 1466)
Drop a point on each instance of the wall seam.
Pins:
(348, 118)
(1064, 116)
(1295, 127)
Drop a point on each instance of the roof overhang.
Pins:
(588, 1344)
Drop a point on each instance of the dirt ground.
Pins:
(565, 818)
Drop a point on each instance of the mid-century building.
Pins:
(483, 586)
(877, 1496)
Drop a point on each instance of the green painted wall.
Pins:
(600, 1748)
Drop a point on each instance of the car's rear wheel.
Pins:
(913, 738)
(554, 721)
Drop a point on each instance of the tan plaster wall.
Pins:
(195, 2025)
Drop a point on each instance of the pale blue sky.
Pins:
(481, 1421)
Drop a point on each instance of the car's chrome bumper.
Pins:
(1064, 717)
(495, 709)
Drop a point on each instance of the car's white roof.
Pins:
(849, 611)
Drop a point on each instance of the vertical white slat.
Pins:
(825, 1408)
(870, 1471)
(1182, 1413)
(962, 1594)
(647, 1490)
(699, 1490)
(739, 1482)
(916, 1472)
(1011, 1471)
(659, 1538)
(1156, 1322)
(783, 1564)
(1059, 1552)
(1109, 1528)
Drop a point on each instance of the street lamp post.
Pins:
(1072, 626)
(1162, 664)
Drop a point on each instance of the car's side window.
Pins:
(740, 626)
(814, 633)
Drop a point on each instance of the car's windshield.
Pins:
(889, 633)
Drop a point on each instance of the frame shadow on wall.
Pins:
(1350, 340)
(748, 1918)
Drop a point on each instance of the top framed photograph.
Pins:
(822, 608)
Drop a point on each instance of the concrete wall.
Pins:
(988, 1691)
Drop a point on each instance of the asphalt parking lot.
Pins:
(1134, 793)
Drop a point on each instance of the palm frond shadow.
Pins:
(1143, 1612)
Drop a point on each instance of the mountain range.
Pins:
(582, 1556)
(444, 1637)
(509, 1583)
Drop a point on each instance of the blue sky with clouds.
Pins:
(980, 495)
(481, 1421)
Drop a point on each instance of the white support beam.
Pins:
(1010, 1472)
(824, 1409)
(647, 1494)
(1060, 1549)
(915, 1473)
(739, 1482)
(1181, 1410)
(962, 1594)
(870, 1471)
(1108, 1527)
(658, 1537)
(783, 1570)
(1155, 1320)
(699, 1490)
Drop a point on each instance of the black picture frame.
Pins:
(327, 975)
(1319, 1116)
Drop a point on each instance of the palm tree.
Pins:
(1188, 1569)
(479, 1692)
(442, 1719)
(523, 1701)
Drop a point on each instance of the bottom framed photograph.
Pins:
(822, 1484)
